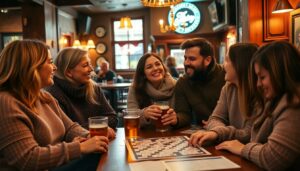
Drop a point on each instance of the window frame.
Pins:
(143, 41)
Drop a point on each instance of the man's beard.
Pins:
(199, 74)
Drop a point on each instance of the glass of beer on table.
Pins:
(131, 122)
(98, 125)
(164, 106)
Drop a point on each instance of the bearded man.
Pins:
(197, 92)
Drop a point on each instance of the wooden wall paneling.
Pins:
(33, 21)
(275, 26)
(255, 21)
(51, 27)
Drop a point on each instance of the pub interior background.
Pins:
(60, 22)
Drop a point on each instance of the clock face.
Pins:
(100, 48)
(100, 31)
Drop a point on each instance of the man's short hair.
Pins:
(206, 48)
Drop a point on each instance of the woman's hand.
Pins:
(94, 144)
(200, 137)
(79, 139)
(170, 118)
(234, 146)
(111, 133)
(152, 112)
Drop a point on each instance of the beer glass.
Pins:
(131, 122)
(98, 126)
(164, 106)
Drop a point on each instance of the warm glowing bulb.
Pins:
(76, 44)
(90, 44)
(161, 22)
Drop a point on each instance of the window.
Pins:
(178, 54)
(129, 45)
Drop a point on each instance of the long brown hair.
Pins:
(19, 64)
(240, 55)
(140, 80)
(282, 60)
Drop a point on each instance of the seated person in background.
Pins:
(78, 95)
(275, 142)
(171, 64)
(197, 92)
(105, 73)
(35, 134)
(152, 82)
(235, 102)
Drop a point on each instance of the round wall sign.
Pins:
(187, 17)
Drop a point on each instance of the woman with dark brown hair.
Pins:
(235, 104)
(152, 82)
(275, 79)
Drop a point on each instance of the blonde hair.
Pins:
(19, 64)
(69, 58)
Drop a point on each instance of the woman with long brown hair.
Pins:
(35, 134)
(152, 82)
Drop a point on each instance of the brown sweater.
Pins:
(195, 100)
(30, 141)
(275, 139)
(227, 113)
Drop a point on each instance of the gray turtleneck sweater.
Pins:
(73, 102)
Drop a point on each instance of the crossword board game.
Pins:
(162, 148)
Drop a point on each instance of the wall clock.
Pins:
(100, 31)
(100, 48)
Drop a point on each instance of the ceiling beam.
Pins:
(10, 3)
(71, 2)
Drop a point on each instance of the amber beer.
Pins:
(131, 125)
(98, 126)
(98, 130)
(158, 124)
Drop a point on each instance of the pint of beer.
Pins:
(164, 106)
(131, 122)
(98, 126)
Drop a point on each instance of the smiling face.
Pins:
(81, 73)
(231, 75)
(46, 72)
(264, 82)
(194, 63)
(154, 70)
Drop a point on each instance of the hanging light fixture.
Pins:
(282, 6)
(172, 26)
(90, 44)
(76, 44)
(160, 3)
(125, 23)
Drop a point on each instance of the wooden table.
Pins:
(113, 88)
(117, 157)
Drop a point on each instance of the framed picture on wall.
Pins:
(9, 37)
(295, 28)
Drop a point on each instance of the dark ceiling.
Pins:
(88, 7)
(83, 6)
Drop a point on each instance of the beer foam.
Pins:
(97, 126)
(131, 116)
(164, 107)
